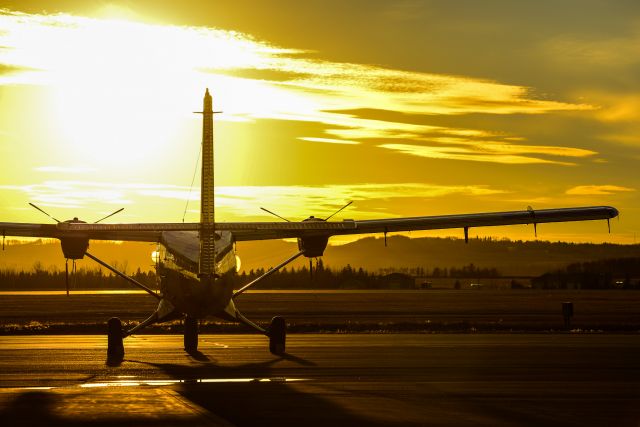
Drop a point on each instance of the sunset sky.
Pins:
(405, 107)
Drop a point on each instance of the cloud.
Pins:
(301, 201)
(578, 51)
(238, 202)
(72, 194)
(617, 107)
(597, 190)
(329, 140)
(10, 69)
(92, 60)
(489, 151)
(65, 169)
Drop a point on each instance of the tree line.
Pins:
(604, 274)
(618, 273)
(318, 277)
(42, 279)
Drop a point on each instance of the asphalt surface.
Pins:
(324, 380)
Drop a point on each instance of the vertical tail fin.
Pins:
(206, 268)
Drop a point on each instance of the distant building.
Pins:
(397, 281)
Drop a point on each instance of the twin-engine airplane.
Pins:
(197, 260)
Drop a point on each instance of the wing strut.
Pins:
(267, 274)
(124, 276)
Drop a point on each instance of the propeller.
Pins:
(110, 215)
(56, 220)
(76, 218)
(73, 248)
(327, 218)
(317, 219)
(311, 218)
(275, 214)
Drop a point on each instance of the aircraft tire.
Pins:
(190, 334)
(277, 336)
(115, 346)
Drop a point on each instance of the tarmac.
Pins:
(324, 380)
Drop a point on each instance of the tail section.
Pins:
(206, 268)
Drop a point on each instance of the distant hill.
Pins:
(516, 258)
(530, 258)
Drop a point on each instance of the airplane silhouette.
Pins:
(196, 261)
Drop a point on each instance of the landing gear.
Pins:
(190, 334)
(115, 347)
(277, 333)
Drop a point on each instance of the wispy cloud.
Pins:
(328, 140)
(576, 51)
(65, 169)
(238, 202)
(490, 151)
(616, 107)
(597, 190)
(81, 54)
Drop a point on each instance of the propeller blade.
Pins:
(56, 220)
(110, 215)
(275, 214)
(327, 218)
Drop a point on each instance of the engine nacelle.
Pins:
(74, 247)
(313, 246)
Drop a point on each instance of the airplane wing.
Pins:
(151, 232)
(58, 231)
(260, 231)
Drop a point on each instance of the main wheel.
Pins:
(115, 347)
(277, 336)
(190, 334)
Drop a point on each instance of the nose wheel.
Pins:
(277, 336)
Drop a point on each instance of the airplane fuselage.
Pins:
(180, 284)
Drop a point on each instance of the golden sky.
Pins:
(405, 107)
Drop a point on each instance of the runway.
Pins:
(325, 380)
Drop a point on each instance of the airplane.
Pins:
(196, 261)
